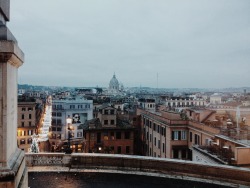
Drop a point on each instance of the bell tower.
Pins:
(12, 161)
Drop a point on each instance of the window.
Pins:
(59, 107)
(150, 137)
(196, 139)
(106, 112)
(190, 136)
(155, 141)
(53, 113)
(158, 128)
(22, 124)
(163, 131)
(59, 114)
(30, 109)
(159, 144)
(183, 135)
(22, 141)
(127, 149)
(112, 122)
(106, 122)
(23, 133)
(79, 134)
(147, 135)
(53, 121)
(150, 124)
(29, 140)
(119, 149)
(112, 112)
(30, 132)
(72, 106)
(59, 121)
(22, 116)
(175, 135)
(29, 123)
(179, 135)
(127, 135)
(23, 109)
(53, 128)
(59, 129)
(154, 126)
(118, 135)
(79, 106)
(30, 116)
(163, 147)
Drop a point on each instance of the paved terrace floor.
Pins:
(66, 178)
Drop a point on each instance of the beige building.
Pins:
(26, 124)
(200, 138)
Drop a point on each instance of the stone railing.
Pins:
(159, 166)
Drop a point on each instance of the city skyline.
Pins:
(194, 44)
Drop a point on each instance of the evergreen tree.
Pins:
(34, 145)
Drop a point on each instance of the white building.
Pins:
(113, 85)
(147, 104)
(185, 102)
(215, 98)
(79, 110)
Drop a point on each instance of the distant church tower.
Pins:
(113, 85)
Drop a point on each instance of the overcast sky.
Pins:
(189, 43)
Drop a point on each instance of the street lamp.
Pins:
(69, 121)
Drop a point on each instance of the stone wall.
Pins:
(219, 173)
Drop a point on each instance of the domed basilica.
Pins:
(114, 86)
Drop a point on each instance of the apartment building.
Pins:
(79, 110)
(108, 134)
(27, 124)
(165, 134)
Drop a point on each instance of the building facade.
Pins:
(108, 134)
(79, 110)
(185, 102)
(27, 124)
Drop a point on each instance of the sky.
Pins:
(82, 43)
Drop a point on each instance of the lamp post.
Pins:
(68, 149)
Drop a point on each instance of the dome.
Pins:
(114, 84)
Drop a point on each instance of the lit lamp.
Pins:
(68, 149)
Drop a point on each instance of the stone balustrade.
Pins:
(159, 166)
